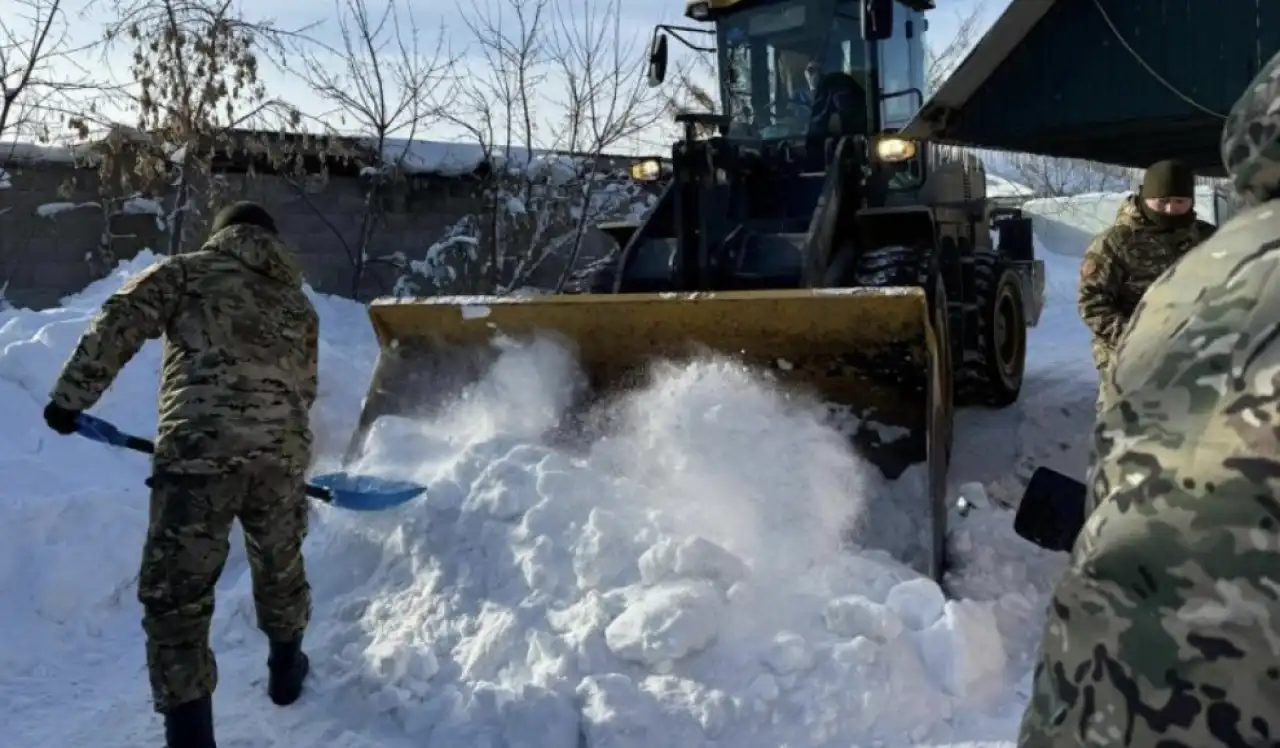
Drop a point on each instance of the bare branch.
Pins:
(546, 89)
(196, 64)
(1046, 176)
(499, 96)
(942, 61)
(383, 81)
(42, 78)
(609, 100)
(1043, 176)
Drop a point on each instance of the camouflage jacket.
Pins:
(240, 353)
(1165, 628)
(1120, 264)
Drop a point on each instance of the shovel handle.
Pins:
(102, 431)
(319, 493)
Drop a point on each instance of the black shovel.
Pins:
(1051, 514)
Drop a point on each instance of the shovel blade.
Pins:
(365, 493)
(1051, 513)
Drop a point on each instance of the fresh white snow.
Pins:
(677, 583)
(142, 206)
(49, 210)
(134, 206)
(1003, 187)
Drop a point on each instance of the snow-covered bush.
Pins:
(539, 216)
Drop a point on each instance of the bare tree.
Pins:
(382, 80)
(198, 95)
(544, 152)
(497, 105)
(1041, 176)
(608, 99)
(41, 80)
(41, 76)
(1048, 176)
(942, 60)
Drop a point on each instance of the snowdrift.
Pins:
(1064, 225)
(676, 583)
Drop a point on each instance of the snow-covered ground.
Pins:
(676, 585)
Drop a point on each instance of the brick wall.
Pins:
(45, 257)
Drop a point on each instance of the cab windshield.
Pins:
(774, 58)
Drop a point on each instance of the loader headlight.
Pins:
(698, 9)
(895, 150)
(646, 171)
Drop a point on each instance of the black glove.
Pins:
(60, 419)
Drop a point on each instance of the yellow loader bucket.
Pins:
(874, 350)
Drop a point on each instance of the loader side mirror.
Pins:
(657, 60)
(877, 19)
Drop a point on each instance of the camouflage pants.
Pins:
(186, 549)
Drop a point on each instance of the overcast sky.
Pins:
(638, 19)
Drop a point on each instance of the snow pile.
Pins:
(6, 182)
(674, 582)
(1001, 187)
(677, 582)
(1066, 224)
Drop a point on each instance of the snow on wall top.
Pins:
(422, 157)
(445, 159)
(28, 153)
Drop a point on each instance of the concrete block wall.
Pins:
(45, 257)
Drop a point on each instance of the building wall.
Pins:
(46, 257)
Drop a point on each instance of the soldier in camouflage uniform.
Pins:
(1165, 628)
(234, 441)
(1151, 232)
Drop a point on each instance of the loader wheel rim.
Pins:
(1008, 338)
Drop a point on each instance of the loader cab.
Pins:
(811, 93)
(795, 75)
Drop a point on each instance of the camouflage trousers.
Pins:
(186, 548)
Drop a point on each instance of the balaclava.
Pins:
(1167, 179)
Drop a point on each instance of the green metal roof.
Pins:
(1118, 81)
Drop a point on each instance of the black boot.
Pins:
(190, 725)
(287, 668)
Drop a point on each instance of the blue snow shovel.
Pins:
(1051, 513)
(361, 493)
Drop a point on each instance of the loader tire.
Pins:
(889, 266)
(877, 268)
(604, 278)
(993, 376)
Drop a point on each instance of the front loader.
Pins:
(798, 234)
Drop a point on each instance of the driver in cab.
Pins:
(837, 94)
(804, 98)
